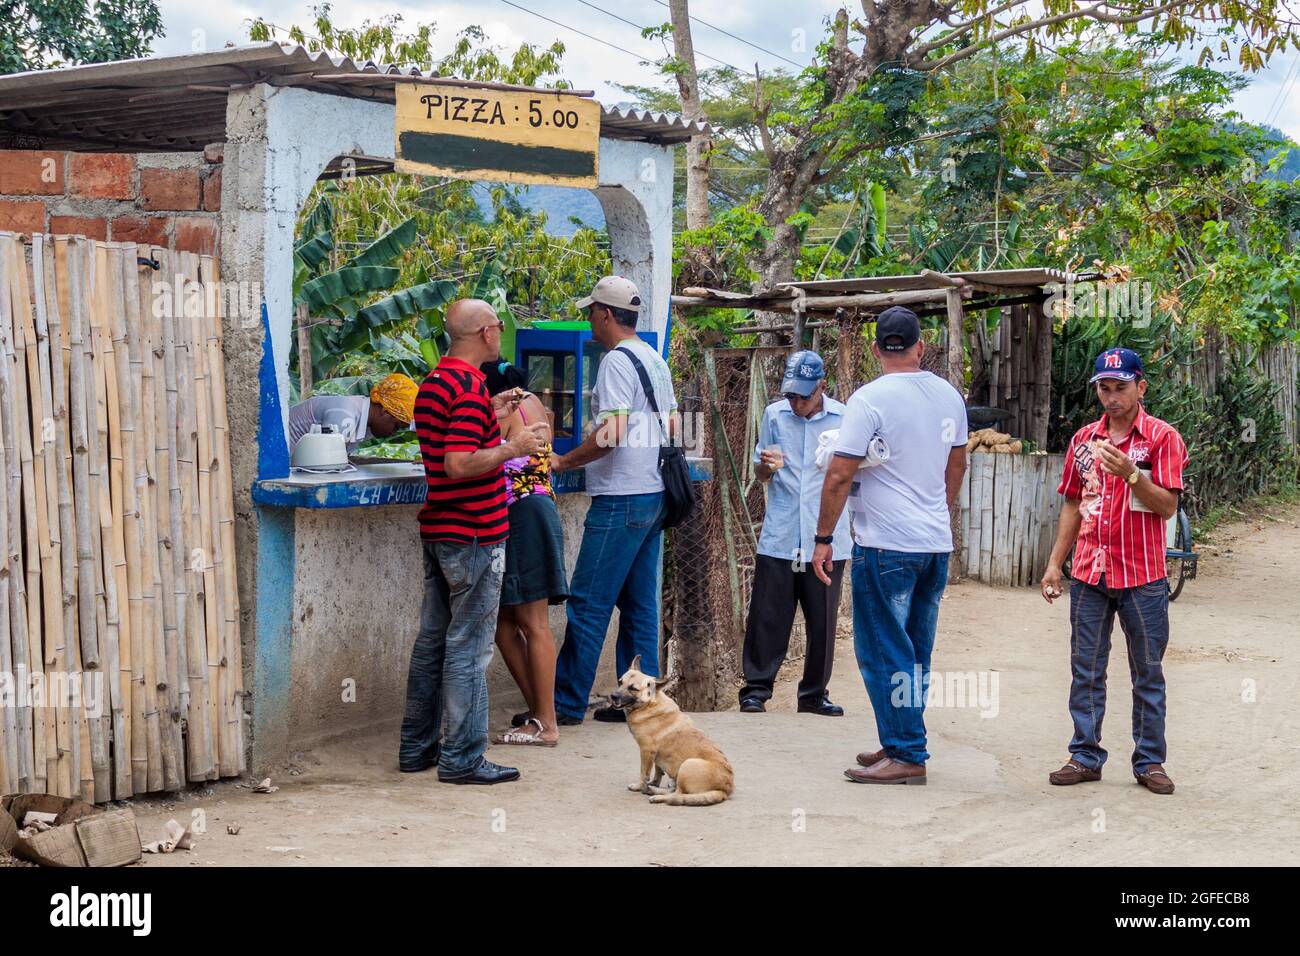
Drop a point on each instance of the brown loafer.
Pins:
(867, 759)
(887, 770)
(1073, 772)
(1155, 779)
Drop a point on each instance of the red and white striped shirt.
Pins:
(1125, 545)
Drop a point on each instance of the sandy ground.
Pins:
(1232, 668)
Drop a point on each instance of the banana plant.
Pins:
(346, 295)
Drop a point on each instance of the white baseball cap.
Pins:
(615, 292)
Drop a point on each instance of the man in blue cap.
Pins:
(786, 458)
(1123, 476)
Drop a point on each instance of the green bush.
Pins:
(1235, 437)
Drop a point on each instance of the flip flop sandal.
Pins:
(522, 738)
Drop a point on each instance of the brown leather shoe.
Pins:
(1073, 772)
(1155, 779)
(867, 759)
(887, 770)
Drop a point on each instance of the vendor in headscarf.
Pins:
(390, 407)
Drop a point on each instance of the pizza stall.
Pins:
(323, 569)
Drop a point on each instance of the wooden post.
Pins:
(42, 578)
(200, 764)
(304, 354)
(956, 341)
(957, 377)
(115, 451)
(1042, 404)
(232, 703)
(80, 388)
(8, 714)
(844, 377)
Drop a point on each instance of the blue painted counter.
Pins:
(396, 484)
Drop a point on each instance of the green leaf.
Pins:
(313, 251)
(429, 349)
(408, 302)
(387, 247)
(336, 290)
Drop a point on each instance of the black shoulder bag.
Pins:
(679, 493)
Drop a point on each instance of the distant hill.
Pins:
(561, 204)
(1290, 169)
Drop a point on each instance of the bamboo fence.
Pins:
(1009, 508)
(120, 669)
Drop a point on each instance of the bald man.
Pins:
(463, 526)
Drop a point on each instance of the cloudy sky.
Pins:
(773, 33)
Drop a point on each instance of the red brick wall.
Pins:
(168, 199)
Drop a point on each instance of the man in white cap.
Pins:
(618, 564)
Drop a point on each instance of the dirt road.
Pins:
(1234, 676)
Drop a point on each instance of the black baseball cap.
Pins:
(897, 329)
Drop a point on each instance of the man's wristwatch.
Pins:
(823, 539)
(1132, 477)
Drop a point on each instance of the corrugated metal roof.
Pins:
(179, 102)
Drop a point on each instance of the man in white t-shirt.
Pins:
(902, 536)
(618, 564)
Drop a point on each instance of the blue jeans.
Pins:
(618, 566)
(1144, 617)
(446, 688)
(895, 613)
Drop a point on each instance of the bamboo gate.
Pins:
(119, 616)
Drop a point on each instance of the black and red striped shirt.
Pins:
(453, 413)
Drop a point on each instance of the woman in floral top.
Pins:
(535, 575)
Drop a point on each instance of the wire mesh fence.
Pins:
(709, 560)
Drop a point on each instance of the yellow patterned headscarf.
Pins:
(396, 395)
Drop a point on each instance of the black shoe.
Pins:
(610, 715)
(519, 719)
(752, 705)
(823, 707)
(485, 774)
(416, 766)
(564, 720)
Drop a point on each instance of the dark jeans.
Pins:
(1144, 617)
(446, 689)
(895, 614)
(618, 566)
(777, 589)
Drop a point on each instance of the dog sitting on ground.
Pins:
(670, 744)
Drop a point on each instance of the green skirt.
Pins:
(534, 553)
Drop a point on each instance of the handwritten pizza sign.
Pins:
(509, 136)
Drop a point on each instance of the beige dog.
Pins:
(670, 744)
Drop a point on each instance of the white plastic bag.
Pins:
(877, 450)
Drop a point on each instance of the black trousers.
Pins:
(777, 589)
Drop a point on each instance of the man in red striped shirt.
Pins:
(463, 526)
(1123, 476)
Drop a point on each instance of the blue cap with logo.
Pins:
(1123, 364)
(803, 371)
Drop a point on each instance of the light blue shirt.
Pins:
(794, 493)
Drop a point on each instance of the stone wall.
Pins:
(356, 612)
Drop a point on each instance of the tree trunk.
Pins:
(699, 147)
